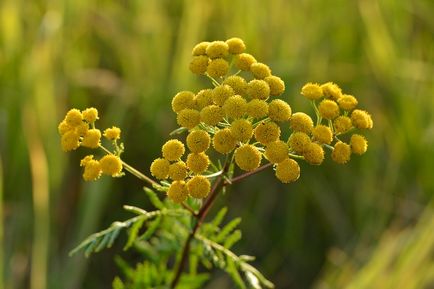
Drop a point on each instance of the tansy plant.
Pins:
(227, 133)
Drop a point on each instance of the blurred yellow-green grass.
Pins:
(364, 225)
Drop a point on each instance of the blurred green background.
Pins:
(369, 224)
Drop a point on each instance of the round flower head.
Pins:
(198, 141)
(257, 108)
(217, 49)
(242, 130)
(358, 144)
(276, 151)
(85, 160)
(90, 114)
(111, 165)
(322, 134)
(64, 127)
(112, 133)
(341, 153)
(92, 138)
(197, 162)
(347, 102)
(217, 67)
(247, 157)
(221, 93)
(211, 115)
(188, 118)
(267, 132)
(73, 117)
(258, 89)
(199, 64)
(301, 122)
(288, 171)
(177, 192)
(238, 84)
(178, 171)
(203, 98)
(223, 141)
(183, 100)
(200, 48)
(279, 110)
(236, 45)
(70, 141)
(244, 61)
(260, 70)
(331, 90)
(342, 124)
(173, 150)
(277, 86)
(235, 106)
(299, 141)
(361, 119)
(160, 168)
(82, 128)
(198, 187)
(312, 91)
(92, 170)
(313, 154)
(328, 109)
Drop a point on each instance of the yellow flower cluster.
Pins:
(78, 129)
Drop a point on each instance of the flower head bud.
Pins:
(331, 90)
(312, 91)
(64, 127)
(198, 187)
(347, 102)
(301, 122)
(160, 168)
(342, 124)
(92, 170)
(111, 165)
(244, 61)
(221, 93)
(260, 70)
(322, 134)
(257, 108)
(361, 119)
(236, 45)
(258, 89)
(288, 171)
(90, 114)
(314, 154)
(223, 141)
(112, 133)
(235, 106)
(178, 171)
(267, 132)
(248, 157)
(242, 130)
(92, 138)
(200, 48)
(197, 162)
(177, 192)
(276, 151)
(82, 128)
(203, 98)
(217, 67)
(277, 86)
(199, 64)
(183, 100)
(328, 109)
(188, 118)
(299, 141)
(238, 84)
(358, 144)
(73, 117)
(211, 115)
(279, 110)
(198, 141)
(85, 160)
(217, 49)
(173, 150)
(70, 141)
(341, 152)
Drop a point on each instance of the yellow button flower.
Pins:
(279, 110)
(358, 144)
(199, 64)
(260, 70)
(198, 187)
(177, 192)
(258, 89)
(160, 168)
(242, 130)
(112, 133)
(277, 86)
(314, 154)
(200, 48)
(111, 165)
(235, 45)
(331, 90)
(173, 150)
(217, 67)
(238, 84)
(322, 134)
(267, 132)
(342, 124)
(235, 107)
(203, 98)
(288, 171)
(64, 127)
(188, 118)
(224, 141)
(197, 162)
(276, 151)
(211, 115)
(92, 170)
(221, 93)
(217, 49)
(312, 91)
(178, 171)
(361, 119)
(73, 117)
(299, 141)
(341, 153)
(248, 157)
(257, 108)
(244, 61)
(301, 122)
(347, 102)
(90, 114)
(328, 109)
(183, 100)
(70, 141)
(198, 141)
(92, 138)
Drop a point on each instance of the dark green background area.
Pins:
(368, 222)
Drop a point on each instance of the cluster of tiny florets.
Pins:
(78, 129)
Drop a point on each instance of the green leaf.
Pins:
(232, 239)
(134, 231)
(233, 272)
(219, 217)
(154, 198)
(227, 229)
(151, 229)
(253, 281)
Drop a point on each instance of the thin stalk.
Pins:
(248, 174)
